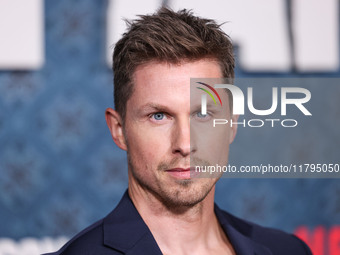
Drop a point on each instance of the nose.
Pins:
(181, 138)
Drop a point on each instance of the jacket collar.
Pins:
(240, 234)
(125, 231)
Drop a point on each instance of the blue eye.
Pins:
(200, 115)
(158, 116)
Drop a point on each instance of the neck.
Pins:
(185, 230)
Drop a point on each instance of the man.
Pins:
(168, 209)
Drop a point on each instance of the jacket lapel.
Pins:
(125, 230)
(240, 235)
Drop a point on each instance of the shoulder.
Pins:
(87, 242)
(277, 241)
(97, 239)
(84, 242)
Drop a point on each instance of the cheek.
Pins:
(223, 141)
(145, 144)
(214, 146)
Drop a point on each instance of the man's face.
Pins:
(157, 133)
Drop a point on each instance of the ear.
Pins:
(233, 130)
(115, 124)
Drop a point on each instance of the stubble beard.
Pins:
(185, 194)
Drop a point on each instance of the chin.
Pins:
(188, 194)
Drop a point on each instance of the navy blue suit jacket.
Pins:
(123, 231)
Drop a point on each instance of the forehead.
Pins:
(168, 85)
(163, 75)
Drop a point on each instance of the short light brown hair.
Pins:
(167, 36)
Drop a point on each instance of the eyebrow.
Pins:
(162, 108)
(153, 107)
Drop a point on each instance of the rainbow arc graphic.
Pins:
(204, 97)
(209, 93)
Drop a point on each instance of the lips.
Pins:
(179, 170)
(182, 173)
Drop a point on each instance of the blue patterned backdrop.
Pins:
(60, 170)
